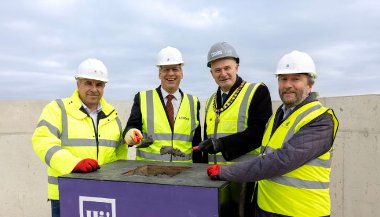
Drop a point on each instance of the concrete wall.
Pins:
(355, 181)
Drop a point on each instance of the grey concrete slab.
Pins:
(191, 174)
(355, 177)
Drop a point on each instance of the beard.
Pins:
(292, 98)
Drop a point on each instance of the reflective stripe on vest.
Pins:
(291, 181)
(60, 129)
(50, 153)
(300, 183)
(53, 180)
(52, 129)
(150, 121)
(173, 138)
(241, 122)
(72, 142)
(315, 162)
(303, 191)
(66, 142)
(82, 142)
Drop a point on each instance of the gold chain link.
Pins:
(229, 102)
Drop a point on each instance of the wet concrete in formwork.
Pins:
(153, 172)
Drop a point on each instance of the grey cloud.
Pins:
(44, 41)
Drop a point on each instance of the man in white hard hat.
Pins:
(293, 169)
(166, 117)
(79, 133)
(235, 115)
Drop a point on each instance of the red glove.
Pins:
(213, 172)
(133, 137)
(86, 165)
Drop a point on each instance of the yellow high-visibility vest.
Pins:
(156, 125)
(232, 120)
(305, 190)
(65, 135)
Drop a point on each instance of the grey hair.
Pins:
(310, 79)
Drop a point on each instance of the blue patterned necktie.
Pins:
(224, 98)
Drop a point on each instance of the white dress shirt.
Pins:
(94, 114)
(176, 101)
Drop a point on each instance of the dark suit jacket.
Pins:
(135, 121)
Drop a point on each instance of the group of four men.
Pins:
(288, 153)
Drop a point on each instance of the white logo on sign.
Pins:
(97, 207)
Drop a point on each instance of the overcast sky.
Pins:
(43, 41)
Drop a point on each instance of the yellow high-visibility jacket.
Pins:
(65, 135)
(232, 120)
(156, 125)
(305, 190)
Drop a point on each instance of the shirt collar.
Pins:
(98, 109)
(177, 94)
(287, 111)
(221, 92)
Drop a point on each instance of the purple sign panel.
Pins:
(97, 207)
(99, 198)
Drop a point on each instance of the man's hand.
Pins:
(213, 172)
(133, 136)
(211, 146)
(86, 165)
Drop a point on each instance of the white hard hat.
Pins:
(296, 62)
(92, 69)
(221, 50)
(169, 56)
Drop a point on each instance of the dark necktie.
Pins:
(224, 98)
(170, 109)
(278, 120)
